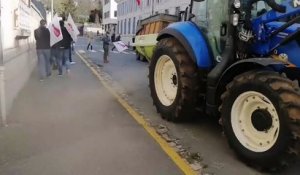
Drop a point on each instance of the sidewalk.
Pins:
(71, 125)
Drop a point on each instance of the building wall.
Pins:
(19, 55)
(109, 15)
(129, 13)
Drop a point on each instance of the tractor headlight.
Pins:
(235, 19)
(237, 4)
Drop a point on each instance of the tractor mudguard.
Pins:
(263, 62)
(192, 39)
(214, 93)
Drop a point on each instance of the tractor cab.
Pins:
(212, 17)
(253, 22)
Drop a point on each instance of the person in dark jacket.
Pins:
(106, 41)
(42, 37)
(60, 50)
(113, 37)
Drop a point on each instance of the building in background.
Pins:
(109, 15)
(129, 12)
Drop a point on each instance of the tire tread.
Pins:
(288, 91)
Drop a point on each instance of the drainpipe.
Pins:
(2, 77)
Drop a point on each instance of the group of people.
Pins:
(58, 56)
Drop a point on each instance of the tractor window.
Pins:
(200, 12)
(211, 15)
(261, 8)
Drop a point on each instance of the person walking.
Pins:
(61, 50)
(71, 50)
(42, 37)
(117, 39)
(106, 41)
(91, 40)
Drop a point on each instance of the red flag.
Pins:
(72, 28)
(138, 2)
(56, 31)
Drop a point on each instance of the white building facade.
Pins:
(109, 15)
(19, 20)
(129, 12)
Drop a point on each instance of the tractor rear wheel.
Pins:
(261, 118)
(173, 81)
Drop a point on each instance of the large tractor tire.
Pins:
(261, 118)
(173, 81)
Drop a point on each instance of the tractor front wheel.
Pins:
(173, 80)
(261, 118)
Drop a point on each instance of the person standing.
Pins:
(91, 40)
(61, 50)
(117, 39)
(106, 41)
(42, 37)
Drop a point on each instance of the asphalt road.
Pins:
(71, 125)
(202, 136)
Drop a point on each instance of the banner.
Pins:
(55, 31)
(120, 46)
(72, 28)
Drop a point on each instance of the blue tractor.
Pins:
(239, 60)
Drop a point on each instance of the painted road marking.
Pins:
(180, 162)
(84, 45)
(124, 52)
(116, 52)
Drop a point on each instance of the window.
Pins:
(131, 6)
(167, 11)
(106, 14)
(118, 27)
(148, 2)
(125, 26)
(116, 13)
(259, 9)
(156, 12)
(121, 27)
(122, 9)
(106, 1)
(133, 26)
(129, 26)
(177, 11)
(134, 5)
